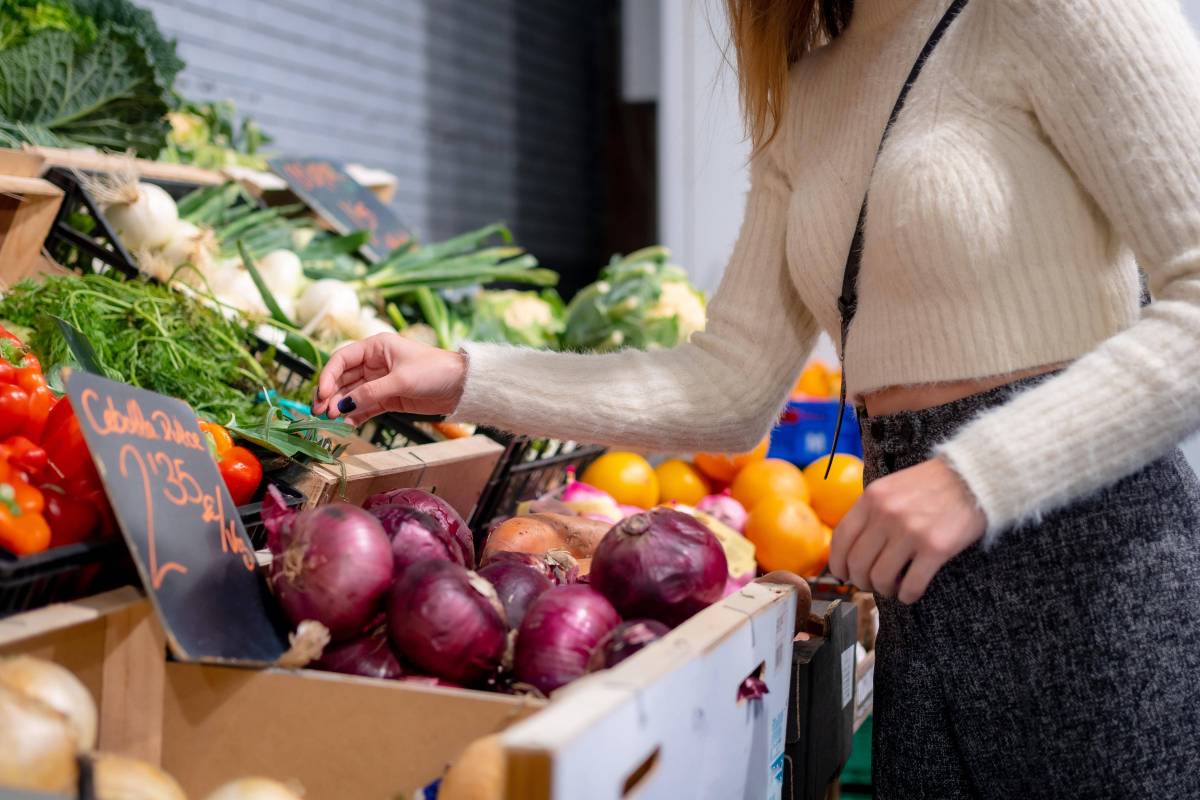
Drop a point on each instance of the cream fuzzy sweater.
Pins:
(1048, 148)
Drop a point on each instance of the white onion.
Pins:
(301, 237)
(241, 292)
(120, 778)
(37, 745)
(283, 273)
(144, 218)
(253, 789)
(420, 332)
(329, 305)
(370, 324)
(57, 687)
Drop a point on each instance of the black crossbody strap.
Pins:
(848, 299)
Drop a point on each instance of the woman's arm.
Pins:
(722, 391)
(1116, 86)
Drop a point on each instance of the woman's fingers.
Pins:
(918, 578)
(889, 566)
(863, 554)
(844, 536)
(349, 357)
(372, 398)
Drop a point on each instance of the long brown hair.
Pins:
(768, 37)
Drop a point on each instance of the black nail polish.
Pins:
(346, 405)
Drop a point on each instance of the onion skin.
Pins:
(331, 564)
(370, 656)
(558, 635)
(448, 622)
(120, 778)
(57, 687)
(253, 789)
(541, 533)
(435, 507)
(415, 536)
(37, 745)
(625, 640)
(557, 565)
(517, 585)
(662, 565)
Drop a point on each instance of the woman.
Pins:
(1029, 528)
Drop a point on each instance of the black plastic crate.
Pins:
(251, 513)
(63, 573)
(526, 471)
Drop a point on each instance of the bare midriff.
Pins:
(895, 399)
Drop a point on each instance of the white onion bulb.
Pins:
(253, 789)
(121, 778)
(57, 687)
(37, 745)
(144, 218)
(330, 306)
(283, 273)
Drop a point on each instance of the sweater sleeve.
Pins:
(721, 391)
(1115, 86)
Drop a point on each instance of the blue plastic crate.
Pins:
(805, 432)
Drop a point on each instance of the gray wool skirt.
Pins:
(1063, 662)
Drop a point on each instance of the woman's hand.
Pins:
(388, 372)
(918, 518)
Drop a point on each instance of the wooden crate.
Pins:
(28, 207)
(96, 161)
(456, 469)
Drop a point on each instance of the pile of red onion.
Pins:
(393, 582)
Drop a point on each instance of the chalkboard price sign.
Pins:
(179, 521)
(343, 202)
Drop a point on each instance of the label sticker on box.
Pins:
(847, 675)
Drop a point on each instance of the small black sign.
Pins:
(343, 202)
(181, 525)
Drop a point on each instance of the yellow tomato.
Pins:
(628, 477)
(832, 497)
(769, 478)
(680, 482)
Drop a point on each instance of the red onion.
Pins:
(447, 621)
(560, 630)
(330, 564)
(557, 565)
(662, 564)
(752, 688)
(625, 640)
(415, 537)
(518, 585)
(369, 655)
(435, 507)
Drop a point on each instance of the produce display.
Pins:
(395, 585)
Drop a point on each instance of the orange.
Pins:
(813, 381)
(768, 478)
(628, 477)
(724, 467)
(787, 535)
(680, 482)
(835, 384)
(833, 497)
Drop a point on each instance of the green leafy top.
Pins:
(124, 15)
(106, 96)
(20, 19)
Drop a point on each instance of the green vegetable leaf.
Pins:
(106, 96)
(291, 438)
(80, 347)
(128, 17)
(268, 298)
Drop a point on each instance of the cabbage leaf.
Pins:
(107, 96)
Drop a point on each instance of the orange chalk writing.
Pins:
(394, 240)
(130, 453)
(173, 430)
(359, 214)
(312, 175)
(130, 422)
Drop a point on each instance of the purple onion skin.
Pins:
(662, 565)
(559, 632)
(561, 571)
(518, 586)
(445, 626)
(369, 655)
(331, 564)
(435, 507)
(625, 640)
(415, 537)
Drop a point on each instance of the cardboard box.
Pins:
(456, 469)
(28, 207)
(822, 708)
(668, 722)
(338, 736)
